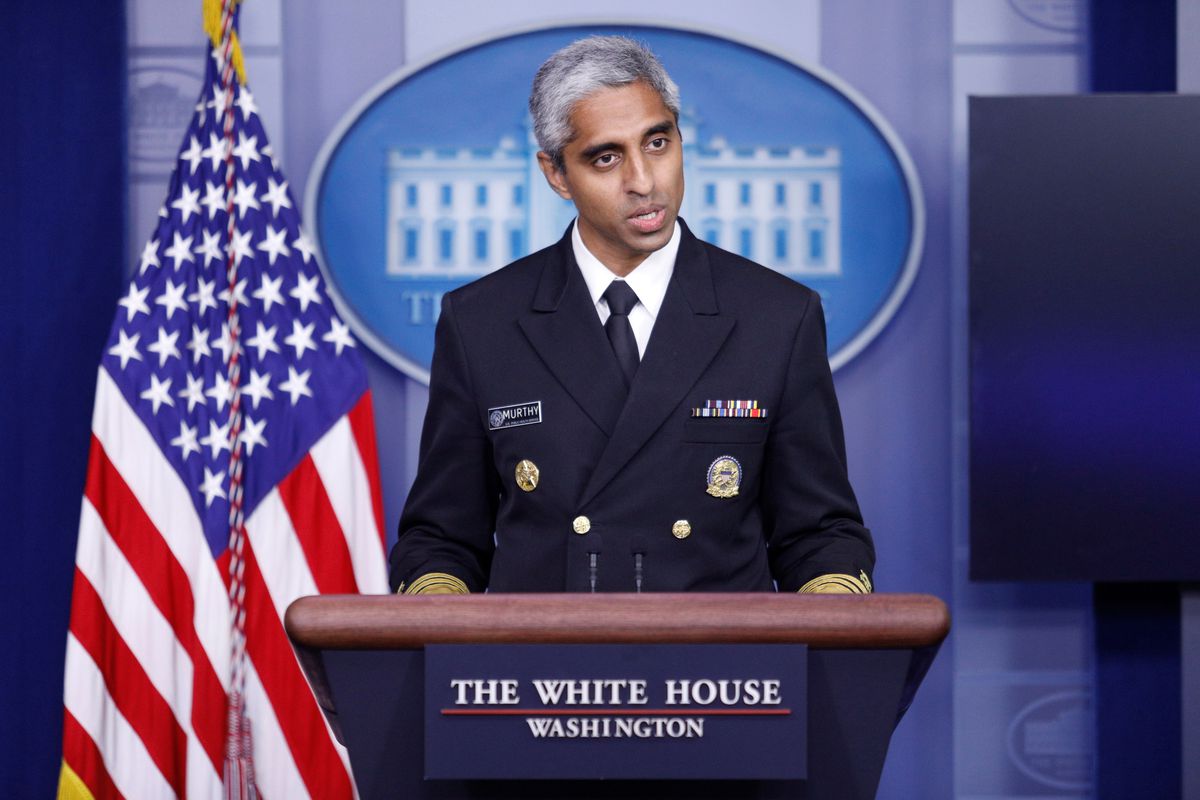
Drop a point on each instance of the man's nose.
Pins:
(639, 179)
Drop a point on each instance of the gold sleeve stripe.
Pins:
(437, 583)
(837, 584)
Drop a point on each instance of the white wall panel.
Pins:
(793, 28)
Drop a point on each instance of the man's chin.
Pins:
(649, 241)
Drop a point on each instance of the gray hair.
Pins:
(583, 68)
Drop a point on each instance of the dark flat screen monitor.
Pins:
(1085, 338)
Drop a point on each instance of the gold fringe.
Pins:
(71, 786)
(837, 584)
(212, 26)
(862, 576)
(437, 583)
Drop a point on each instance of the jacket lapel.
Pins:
(564, 329)
(687, 335)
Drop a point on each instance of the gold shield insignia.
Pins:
(724, 477)
(527, 475)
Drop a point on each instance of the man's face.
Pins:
(624, 171)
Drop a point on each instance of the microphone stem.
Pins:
(637, 571)
(592, 570)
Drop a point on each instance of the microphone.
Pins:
(637, 546)
(594, 545)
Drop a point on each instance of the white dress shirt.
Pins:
(648, 280)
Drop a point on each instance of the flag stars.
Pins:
(277, 196)
(253, 435)
(165, 347)
(186, 440)
(297, 384)
(217, 439)
(149, 257)
(220, 101)
(213, 487)
(241, 247)
(224, 342)
(214, 198)
(172, 298)
(194, 394)
(246, 150)
(126, 348)
(198, 344)
(306, 291)
(134, 303)
(192, 155)
(301, 339)
(215, 152)
(159, 392)
(245, 102)
(304, 246)
(188, 202)
(274, 245)
(259, 387)
(210, 248)
(180, 249)
(264, 340)
(244, 197)
(221, 391)
(268, 292)
(238, 293)
(266, 248)
(339, 335)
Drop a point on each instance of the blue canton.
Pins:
(170, 342)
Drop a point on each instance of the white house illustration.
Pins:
(463, 212)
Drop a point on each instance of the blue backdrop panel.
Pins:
(1133, 45)
(1138, 691)
(62, 232)
(1085, 397)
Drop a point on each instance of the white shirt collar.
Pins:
(648, 280)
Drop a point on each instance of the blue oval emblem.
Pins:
(431, 181)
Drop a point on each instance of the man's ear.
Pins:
(554, 175)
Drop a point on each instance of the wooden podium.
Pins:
(867, 655)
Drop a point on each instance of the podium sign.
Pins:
(848, 666)
(613, 711)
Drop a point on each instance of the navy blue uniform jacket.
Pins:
(634, 463)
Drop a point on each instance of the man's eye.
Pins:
(659, 143)
(605, 160)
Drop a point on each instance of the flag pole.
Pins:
(239, 753)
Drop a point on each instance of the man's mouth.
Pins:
(648, 220)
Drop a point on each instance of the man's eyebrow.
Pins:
(588, 153)
(597, 149)
(666, 126)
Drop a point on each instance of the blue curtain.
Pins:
(62, 251)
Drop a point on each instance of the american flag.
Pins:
(149, 652)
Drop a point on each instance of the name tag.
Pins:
(514, 415)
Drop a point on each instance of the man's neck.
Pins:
(620, 267)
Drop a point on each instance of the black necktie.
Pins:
(621, 300)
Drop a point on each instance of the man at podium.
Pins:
(631, 408)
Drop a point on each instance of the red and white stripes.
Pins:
(148, 655)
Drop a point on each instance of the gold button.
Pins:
(581, 524)
(681, 529)
(527, 475)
